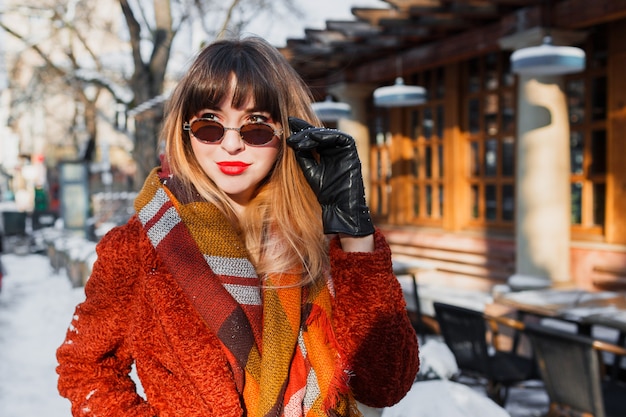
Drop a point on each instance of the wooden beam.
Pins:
(406, 4)
(517, 3)
(353, 28)
(579, 14)
(374, 16)
(451, 49)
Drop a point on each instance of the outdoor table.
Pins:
(583, 308)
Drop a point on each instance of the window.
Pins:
(489, 125)
(380, 168)
(587, 109)
(426, 144)
(407, 178)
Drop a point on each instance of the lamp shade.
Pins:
(399, 95)
(331, 111)
(548, 59)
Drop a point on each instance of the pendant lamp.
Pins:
(548, 59)
(331, 111)
(399, 95)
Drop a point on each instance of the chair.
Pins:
(417, 319)
(465, 331)
(418, 323)
(571, 370)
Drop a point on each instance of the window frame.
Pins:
(596, 49)
(488, 86)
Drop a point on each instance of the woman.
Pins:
(223, 290)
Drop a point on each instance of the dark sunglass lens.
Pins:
(257, 134)
(207, 131)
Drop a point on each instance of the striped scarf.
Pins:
(278, 340)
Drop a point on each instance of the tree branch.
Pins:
(134, 30)
(162, 39)
(227, 19)
(35, 48)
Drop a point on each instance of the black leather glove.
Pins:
(335, 176)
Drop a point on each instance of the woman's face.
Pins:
(236, 167)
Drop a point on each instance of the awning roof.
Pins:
(364, 48)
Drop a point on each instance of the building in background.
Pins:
(496, 177)
(44, 118)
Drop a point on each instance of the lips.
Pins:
(233, 168)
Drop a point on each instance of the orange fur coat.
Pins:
(135, 313)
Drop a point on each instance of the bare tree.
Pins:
(55, 75)
(70, 57)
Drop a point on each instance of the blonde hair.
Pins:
(282, 224)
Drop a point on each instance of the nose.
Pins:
(232, 142)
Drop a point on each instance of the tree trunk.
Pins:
(145, 152)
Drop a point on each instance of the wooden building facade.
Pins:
(496, 175)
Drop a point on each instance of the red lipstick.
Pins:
(233, 167)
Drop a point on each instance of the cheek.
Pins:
(194, 148)
(201, 151)
(271, 158)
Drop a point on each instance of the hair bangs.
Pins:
(207, 90)
(212, 81)
(255, 85)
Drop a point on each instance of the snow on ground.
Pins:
(36, 307)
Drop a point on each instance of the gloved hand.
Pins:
(335, 176)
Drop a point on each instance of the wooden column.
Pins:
(616, 135)
(457, 197)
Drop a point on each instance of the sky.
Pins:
(36, 306)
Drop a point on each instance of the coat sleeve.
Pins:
(372, 325)
(94, 361)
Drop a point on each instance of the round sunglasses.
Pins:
(212, 132)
